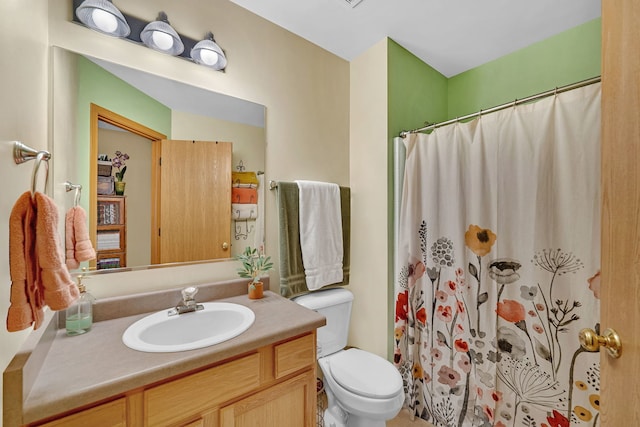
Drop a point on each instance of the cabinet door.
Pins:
(195, 395)
(295, 355)
(112, 414)
(289, 404)
(197, 423)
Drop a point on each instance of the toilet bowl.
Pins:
(363, 389)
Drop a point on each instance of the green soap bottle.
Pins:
(79, 317)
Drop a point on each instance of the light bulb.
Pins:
(164, 41)
(105, 21)
(208, 57)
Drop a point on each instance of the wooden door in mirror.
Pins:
(191, 195)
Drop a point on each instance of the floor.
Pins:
(403, 419)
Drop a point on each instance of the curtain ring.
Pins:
(40, 157)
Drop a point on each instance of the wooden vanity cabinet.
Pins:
(112, 414)
(291, 403)
(272, 386)
(180, 399)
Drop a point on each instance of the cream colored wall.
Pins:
(248, 141)
(304, 88)
(23, 117)
(368, 177)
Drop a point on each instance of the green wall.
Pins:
(100, 87)
(417, 92)
(566, 58)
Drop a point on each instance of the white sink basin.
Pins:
(159, 332)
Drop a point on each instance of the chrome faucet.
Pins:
(188, 303)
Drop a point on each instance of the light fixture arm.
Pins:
(162, 17)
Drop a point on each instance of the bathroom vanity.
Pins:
(265, 376)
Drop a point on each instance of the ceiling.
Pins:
(452, 36)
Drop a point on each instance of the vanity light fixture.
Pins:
(208, 53)
(161, 36)
(103, 16)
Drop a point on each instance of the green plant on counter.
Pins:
(254, 265)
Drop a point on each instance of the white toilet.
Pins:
(363, 390)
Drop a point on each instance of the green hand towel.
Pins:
(292, 277)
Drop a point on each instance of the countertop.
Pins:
(79, 370)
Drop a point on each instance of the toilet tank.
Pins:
(335, 306)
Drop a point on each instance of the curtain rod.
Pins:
(536, 97)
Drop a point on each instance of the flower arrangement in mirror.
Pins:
(118, 162)
(254, 265)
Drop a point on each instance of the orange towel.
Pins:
(38, 274)
(60, 291)
(77, 243)
(26, 305)
(244, 195)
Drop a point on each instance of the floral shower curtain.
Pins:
(498, 267)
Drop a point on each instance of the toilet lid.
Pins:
(365, 374)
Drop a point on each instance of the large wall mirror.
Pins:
(197, 136)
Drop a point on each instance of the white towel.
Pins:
(320, 233)
(238, 185)
(244, 211)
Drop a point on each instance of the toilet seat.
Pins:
(365, 374)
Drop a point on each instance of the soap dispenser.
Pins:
(79, 317)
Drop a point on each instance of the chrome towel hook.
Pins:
(78, 187)
(23, 153)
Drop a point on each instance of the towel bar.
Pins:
(23, 153)
(78, 187)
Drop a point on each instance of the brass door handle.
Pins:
(591, 341)
(225, 246)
